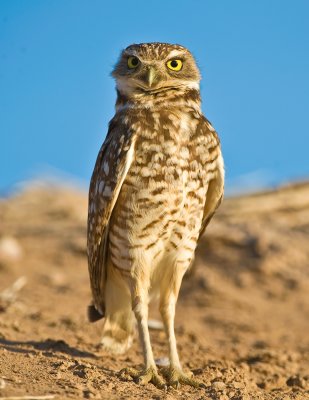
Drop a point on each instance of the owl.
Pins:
(157, 181)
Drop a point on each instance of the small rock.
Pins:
(155, 325)
(57, 279)
(245, 366)
(198, 371)
(88, 394)
(238, 385)
(10, 249)
(2, 383)
(295, 380)
(261, 385)
(9, 295)
(16, 326)
(162, 362)
(218, 385)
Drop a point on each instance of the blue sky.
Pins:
(57, 96)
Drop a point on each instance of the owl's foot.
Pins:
(145, 376)
(176, 377)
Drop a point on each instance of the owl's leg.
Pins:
(169, 294)
(140, 308)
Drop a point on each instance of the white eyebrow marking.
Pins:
(175, 53)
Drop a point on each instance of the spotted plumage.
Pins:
(157, 182)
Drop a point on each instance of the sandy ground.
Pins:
(242, 318)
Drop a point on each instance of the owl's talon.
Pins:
(149, 375)
(176, 377)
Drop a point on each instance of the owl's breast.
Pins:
(160, 206)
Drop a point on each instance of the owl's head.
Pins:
(153, 67)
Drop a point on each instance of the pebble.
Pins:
(295, 381)
(245, 366)
(162, 362)
(2, 383)
(88, 394)
(238, 385)
(155, 325)
(10, 249)
(218, 385)
(58, 279)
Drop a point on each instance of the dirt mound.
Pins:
(242, 318)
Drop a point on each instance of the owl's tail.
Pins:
(93, 314)
(119, 324)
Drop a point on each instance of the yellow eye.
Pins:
(174, 65)
(133, 62)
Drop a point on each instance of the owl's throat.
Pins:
(168, 97)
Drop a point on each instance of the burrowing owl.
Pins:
(157, 182)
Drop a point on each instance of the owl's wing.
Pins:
(112, 164)
(215, 170)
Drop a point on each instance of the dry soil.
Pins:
(242, 317)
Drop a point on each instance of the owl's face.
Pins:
(153, 67)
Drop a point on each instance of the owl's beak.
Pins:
(151, 75)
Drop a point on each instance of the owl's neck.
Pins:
(179, 98)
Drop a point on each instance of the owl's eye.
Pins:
(133, 62)
(174, 65)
